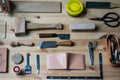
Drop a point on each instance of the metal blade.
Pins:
(64, 36)
(47, 44)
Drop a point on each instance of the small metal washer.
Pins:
(17, 58)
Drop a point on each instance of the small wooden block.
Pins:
(82, 26)
(2, 29)
(3, 59)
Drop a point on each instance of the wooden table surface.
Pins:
(80, 39)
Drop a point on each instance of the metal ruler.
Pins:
(82, 77)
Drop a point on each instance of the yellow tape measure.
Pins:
(74, 7)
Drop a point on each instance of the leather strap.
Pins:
(112, 44)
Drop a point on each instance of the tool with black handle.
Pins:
(49, 35)
(38, 63)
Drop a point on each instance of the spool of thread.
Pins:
(74, 7)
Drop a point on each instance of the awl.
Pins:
(27, 67)
(49, 35)
(54, 44)
(90, 46)
(38, 63)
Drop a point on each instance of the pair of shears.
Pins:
(111, 19)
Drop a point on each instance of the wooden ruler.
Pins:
(35, 6)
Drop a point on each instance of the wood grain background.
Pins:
(80, 39)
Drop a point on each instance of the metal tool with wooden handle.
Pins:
(54, 44)
(49, 35)
(21, 26)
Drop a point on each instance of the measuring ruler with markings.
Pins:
(82, 77)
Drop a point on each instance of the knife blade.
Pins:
(49, 35)
(54, 44)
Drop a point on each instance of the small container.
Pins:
(74, 7)
(17, 70)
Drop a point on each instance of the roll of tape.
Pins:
(74, 7)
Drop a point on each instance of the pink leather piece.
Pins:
(76, 61)
(3, 60)
(57, 61)
(65, 61)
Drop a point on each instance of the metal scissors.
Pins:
(111, 19)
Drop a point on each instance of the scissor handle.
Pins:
(108, 19)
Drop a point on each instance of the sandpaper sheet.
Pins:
(3, 60)
(2, 29)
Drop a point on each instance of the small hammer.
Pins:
(21, 26)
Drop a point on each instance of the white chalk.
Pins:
(82, 26)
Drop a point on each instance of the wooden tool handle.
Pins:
(36, 26)
(26, 44)
(65, 43)
(46, 35)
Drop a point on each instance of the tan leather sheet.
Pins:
(65, 61)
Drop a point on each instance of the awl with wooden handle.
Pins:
(54, 44)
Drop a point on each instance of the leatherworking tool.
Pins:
(17, 58)
(48, 35)
(74, 7)
(104, 5)
(27, 67)
(111, 19)
(17, 44)
(54, 44)
(30, 6)
(83, 77)
(82, 26)
(5, 5)
(112, 50)
(3, 29)
(90, 46)
(38, 63)
(17, 70)
(21, 26)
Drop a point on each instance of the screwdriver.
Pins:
(38, 63)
